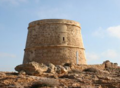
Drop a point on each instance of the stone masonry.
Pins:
(54, 41)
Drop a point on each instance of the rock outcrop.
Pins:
(32, 68)
(62, 76)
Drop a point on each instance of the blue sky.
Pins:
(99, 19)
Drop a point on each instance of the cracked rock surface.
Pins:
(62, 77)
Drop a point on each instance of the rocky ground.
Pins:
(34, 75)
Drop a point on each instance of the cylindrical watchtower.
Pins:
(54, 41)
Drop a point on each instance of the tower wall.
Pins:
(54, 41)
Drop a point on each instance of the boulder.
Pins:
(109, 64)
(67, 68)
(32, 68)
(115, 64)
(19, 68)
(22, 73)
(51, 68)
(61, 70)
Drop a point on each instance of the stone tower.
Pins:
(54, 41)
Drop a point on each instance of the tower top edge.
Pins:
(52, 21)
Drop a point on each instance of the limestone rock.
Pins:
(67, 64)
(104, 72)
(91, 70)
(91, 76)
(22, 73)
(51, 68)
(19, 68)
(61, 70)
(67, 68)
(2, 74)
(45, 82)
(115, 64)
(16, 85)
(32, 68)
(107, 64)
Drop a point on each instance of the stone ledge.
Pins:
(54, 21)
(53, 46)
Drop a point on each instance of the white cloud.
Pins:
(4, 55)
(99, 32)
(114, 31)
(92, 56)
(109, 54)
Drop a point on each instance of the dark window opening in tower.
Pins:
(63, 39)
